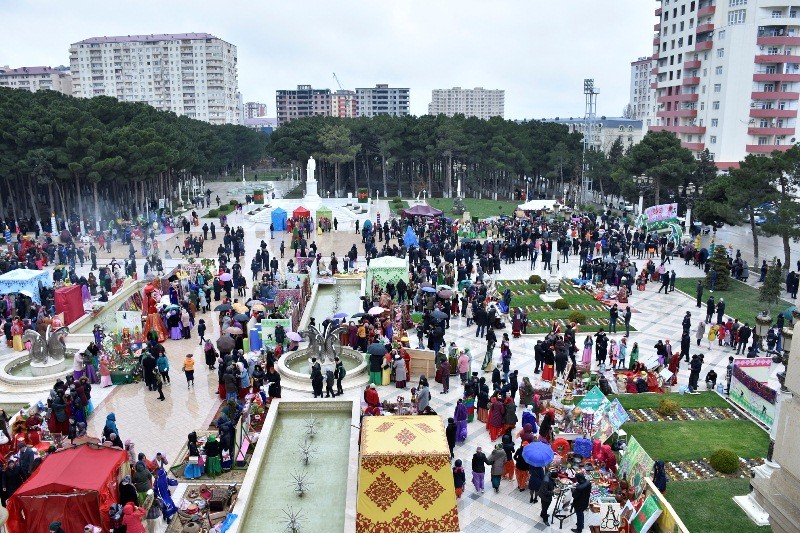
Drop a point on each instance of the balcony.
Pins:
(654, 85)
(706, 11)
(658, 12)
(684, 113)
(654, 70)
(691, 81)
(690, 65)
(704, 28)
(777, 77)
(679, 129)
(699, 147)
(678, 98)
(766, 148)
(704, 45)
(777, 58)
(775, 95)
(770, 131)
(657, 27)
(656, 41)
(773, 113)
(778, 40)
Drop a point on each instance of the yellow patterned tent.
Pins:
(405, 481)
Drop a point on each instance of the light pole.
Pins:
(763, 323)
(642, 182)
(691, 194)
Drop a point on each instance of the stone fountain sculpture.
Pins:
(47, 352)
(322, 342)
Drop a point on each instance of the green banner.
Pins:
(593, 400)
(646, 516)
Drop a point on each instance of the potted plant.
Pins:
(363, 195)
(258, 196)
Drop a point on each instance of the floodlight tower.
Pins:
(589, 116)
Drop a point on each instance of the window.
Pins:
(702, 106)
(714, 122)
(713, 139)
(720, 52)
(734, 3)
(763, 123)
(711, 156)
(762, 141)
(718, 71)
(776, 14)
(736, 16)
(715, 104)
(681, 26)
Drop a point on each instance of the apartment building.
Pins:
(191, 74)
(37, 79)
(291, 104)
(255, 110)
(382, 100)
(477, 102)
(344, 104)
(606, 130)
(728, 75)
(642, 95)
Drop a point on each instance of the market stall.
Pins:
(74, 486)
(404, 476)
(68, 300)
(278, 219)
(301, 212)
(25, 282)
(385, 269)
(420, 210)
(537, 205)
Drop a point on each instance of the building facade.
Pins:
(344, 104)
(255, 110)
(191, 74)
(382, 100)
(477, 102)
(728, 75)
(37, 79)
(291, 104)
(642, 102)
(606, 130)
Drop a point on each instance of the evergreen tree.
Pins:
(720, 264)
(770, 291)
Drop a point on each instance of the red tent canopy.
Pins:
(420, 210)
(75, 487)
(301, 212)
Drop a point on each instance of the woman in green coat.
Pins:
(634, 356)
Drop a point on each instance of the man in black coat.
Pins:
(699, 293)
(546, 491)
(149, 366)
(12, 478)
(580, 500)
(694, 374)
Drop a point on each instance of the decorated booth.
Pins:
(385, 269)
(301, 212)
(25, 282)
(75, 487)
(278, 219)
(325, 218)
(421, 210)
(405, 481)
(537, 205)
(68, 300)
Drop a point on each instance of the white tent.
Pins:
(537, 205)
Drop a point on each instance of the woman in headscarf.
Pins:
(497, 459)
(399, 371)
(527, 433)
(161, 489)
(17, 329)
(111, 425)
(586, 357)
(495, 423)
(127, 492)
(105, 373)
(482, 401)
(213, 452)
(634, 356)
(142, 480)
(193, 470)
(525, 392)
(460, 417)
(521, 468)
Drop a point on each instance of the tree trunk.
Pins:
(787, 253)
(96, 207)
(754, 230)
(383, 169)
(657, 185)
(14, 205)
(33, 204)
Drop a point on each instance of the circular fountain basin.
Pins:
(47, 369)
(20, 372)
(293, 368)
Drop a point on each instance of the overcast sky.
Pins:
(538, 51)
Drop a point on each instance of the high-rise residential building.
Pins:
(37, 78)
(255, 110)
(382, 100)
(642, 94)
(191, 74)
(728, 75)
(477, 102)
(344, 104)
(291, 104)
(606, 130)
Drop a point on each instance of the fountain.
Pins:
(273, 491)
(47, 354)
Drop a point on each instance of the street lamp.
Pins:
(691, 193)
(643, 183)
(763, 322)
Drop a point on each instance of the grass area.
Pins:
(397, 208)
(687, 440)
(296, 193)
(741, 300)
(477, 208)
(691, 401)
(707, 505)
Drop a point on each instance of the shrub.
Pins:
(397, 200)
(233, 202)
(535, 279)
(543, 288)
(577, 317)
(225, 208)
(213, 213)
(724, 461)
(561, 303)
(668, 407)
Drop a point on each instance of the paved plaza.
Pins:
(163, 426)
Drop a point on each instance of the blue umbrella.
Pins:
(428, 289)
(340, 315)
(538, 454)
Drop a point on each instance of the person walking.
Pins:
(459, 478)
(498, 460)
(162, 364)
(158, 383)
(580, 500)
(339, 373)
(188, 370)
(710, 307)
(699, 292)
(479, 462)
(672, 277)
(627, 318)
(701, 332)
(444, 366)
(546, 492)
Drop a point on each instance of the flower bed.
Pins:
(701, 469)
(702, 413)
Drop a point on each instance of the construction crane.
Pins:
(349, 109)
(337, 81)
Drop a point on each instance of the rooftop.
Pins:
(605, 121)
(147, 38)
(7, 71)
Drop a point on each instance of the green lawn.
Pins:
(707, 505)
(687, 440)
(651, 401)
(397, 208)
(477, 208)
(741, 300)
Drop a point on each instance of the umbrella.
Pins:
(358, 315)
(538, 454)
(426, 284)
(294, 336)
(446, 294)
(376, 348)
(445, 287)
(234, 330)
(340, 315)
(251, 303)
(241, 317)
(439, 315)
(239, 308)
(377, 310)
(258, 307)
(172, 306)
(225, 277)
(226, 343)
(428, 289)
(223, 307)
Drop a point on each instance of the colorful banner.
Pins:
(752, 395)
(635, 465)
(661, 212)
(608, 418)
(646, 516)
(593, 400)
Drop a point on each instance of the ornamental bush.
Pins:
(535, 279)
(724, 461)
(561, 303)
(213, 213)
(577, 317)
(543, 288)
(668, 407)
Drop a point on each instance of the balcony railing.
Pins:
(766, 148)
(770, 130)
(773, 113)
(775, 95)
(703, 45)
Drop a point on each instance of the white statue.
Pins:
(312, 196)
(310, 168)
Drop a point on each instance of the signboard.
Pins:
(635, 465)
(661, 212)
(268, 329)
(610, 517)
(751, 394)
(646, 516)
(608, 418)
(593, 400)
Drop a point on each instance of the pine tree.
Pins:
(458, 206)
(770, 291)
(720, 264)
